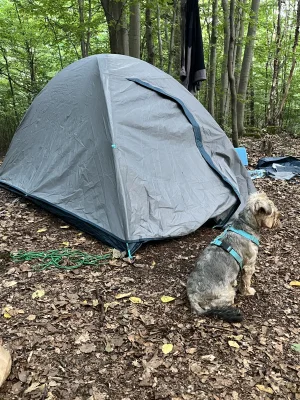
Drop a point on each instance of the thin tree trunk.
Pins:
(160, 47)
(239, 44)
(251, 100)
(271, 120)
(10, 84)
(57, 41)
(88, 34)
(213, 60)
(289, 80)
(81, 27)
(172, 35)
(235, 137)
(135, 31)
(224, 73)
(246, 65)
(149, 36)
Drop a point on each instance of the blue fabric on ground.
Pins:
(284, 168)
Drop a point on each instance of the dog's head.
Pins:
(264, 210)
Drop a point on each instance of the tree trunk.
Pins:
(149, 36)
(239, 44)
(289, 80)
(213, 60)
(251, 100)
(235, 137)
(160, 47)
(172, 35)
(10, 84)
(224, 73)
(57, 41)
(115, 13)
(135, 31)
(271, 119)
(81, 27)
(88, 34)
(246, 65)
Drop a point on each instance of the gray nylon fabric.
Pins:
(121, 156)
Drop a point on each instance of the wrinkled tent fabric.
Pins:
(124, 152)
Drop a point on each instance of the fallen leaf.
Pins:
(191, 350)
(5, 364)
(238, 337)
(234, 344)
(34, 386)
(295, 283)
(108, 348)
(112, 305)
(166, 299)
(6, 315)
(85, 337)
(208, 357)
(263, 388)
(38, 293)
(87, 348)
(40, 231)
(31, 317)
(64, 227)
(296, 346)
(66, 244)
(8, 284)
(167, 348)
(135, 300)
(95, 302)
(118, 254)
(122, 295)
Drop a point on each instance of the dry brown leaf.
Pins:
(87, 348)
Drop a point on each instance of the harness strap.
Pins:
(220, 242)
(246, 235)
(225, 246)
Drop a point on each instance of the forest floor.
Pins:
(66, 346)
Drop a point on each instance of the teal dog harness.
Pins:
(220, 241)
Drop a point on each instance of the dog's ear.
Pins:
(263, 207)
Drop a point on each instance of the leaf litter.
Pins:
(78, 341)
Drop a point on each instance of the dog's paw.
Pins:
(250, 292)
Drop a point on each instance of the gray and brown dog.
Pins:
(211, 287)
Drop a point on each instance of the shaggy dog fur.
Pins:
(211, 287)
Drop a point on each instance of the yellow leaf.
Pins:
(66, 244)
(107, 305)
(84, 302)
(31, 317)
(263, 388)
(41, 230)
(6, 315)
(167, 348)
(64, 227)
(232, 343)
(38, 293)
(295, 283)
(153, 263)
(238, 337)
(95, 302)
(122, 295)
(167, 299)
(135, 300)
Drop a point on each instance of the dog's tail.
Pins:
(229, 314)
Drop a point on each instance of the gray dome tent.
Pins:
(124, 152)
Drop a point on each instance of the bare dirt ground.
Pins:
(78, 342)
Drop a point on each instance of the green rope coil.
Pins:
(65, 259)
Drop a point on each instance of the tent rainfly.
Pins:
(122, 151)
